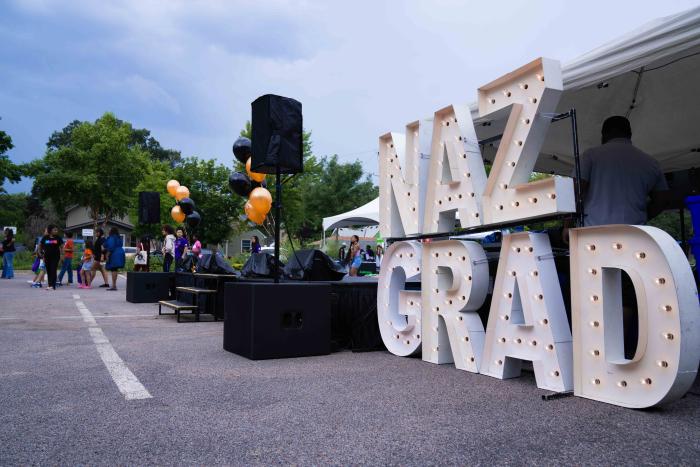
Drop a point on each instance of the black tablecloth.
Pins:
(354, 316)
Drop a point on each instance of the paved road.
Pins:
(59, 403)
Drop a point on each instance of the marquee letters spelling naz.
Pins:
(527, 319)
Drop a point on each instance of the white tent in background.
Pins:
(651, 74)
(367, 214)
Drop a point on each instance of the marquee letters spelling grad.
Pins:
(527, 318)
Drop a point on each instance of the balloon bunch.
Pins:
(250, 184)
(184, 209)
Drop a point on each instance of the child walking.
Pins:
(87, 263)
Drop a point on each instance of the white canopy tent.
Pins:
(651, 75)
(367, 214)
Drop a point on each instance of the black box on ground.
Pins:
(148, 287)
(267, 320)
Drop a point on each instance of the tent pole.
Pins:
(278, 219)
(684, 240)
(577, 163)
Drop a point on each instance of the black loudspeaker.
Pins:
(267, 320)
(277, 135)
(148, 287)
(149, 207)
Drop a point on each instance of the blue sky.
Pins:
(189, 70)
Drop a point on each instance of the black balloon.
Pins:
(241, 149)
(193, 219)
(187, 206)
(240, 184)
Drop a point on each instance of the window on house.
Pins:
(245, 246)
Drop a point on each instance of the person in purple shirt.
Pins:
(180, 244)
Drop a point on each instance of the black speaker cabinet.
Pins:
(267, 320)
(277, 140)
(149, 207)
(148, 287)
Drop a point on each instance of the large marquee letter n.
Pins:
(665, 363)
(400, 197)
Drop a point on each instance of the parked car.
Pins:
(130, 251)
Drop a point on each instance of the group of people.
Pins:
(101, 255)
(355, 255)
(176, 247)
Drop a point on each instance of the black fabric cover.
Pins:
(214, 264)
(354, 322)
(259, 265)
(277, 135)
(312, 265)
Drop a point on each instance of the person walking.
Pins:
(67, 266)
(85, 268)
(8, 255)
(51, 246)
(168, 246)
(114, 251)
(98, 255)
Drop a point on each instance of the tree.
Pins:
(95, 165)
(8, 170)
(208, 185)
(14, 209)
(139, 138)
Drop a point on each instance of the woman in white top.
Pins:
(168, 247)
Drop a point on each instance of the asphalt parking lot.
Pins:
(66, 399)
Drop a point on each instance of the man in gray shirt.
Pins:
(620, 184)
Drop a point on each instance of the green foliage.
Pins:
(14, 209)
(671, 223)
(208, 185)
(339, 188)
(139, 138)
(8, 170)
(97, 168)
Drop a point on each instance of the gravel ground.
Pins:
(59, 404)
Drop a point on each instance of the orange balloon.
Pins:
(177, 214)
(261, 200)
(182, 192)
(173, 185)
(253, 175)
(255, 216)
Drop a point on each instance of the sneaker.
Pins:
(36, 285)
(104, 285)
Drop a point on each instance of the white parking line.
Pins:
(127, 383)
